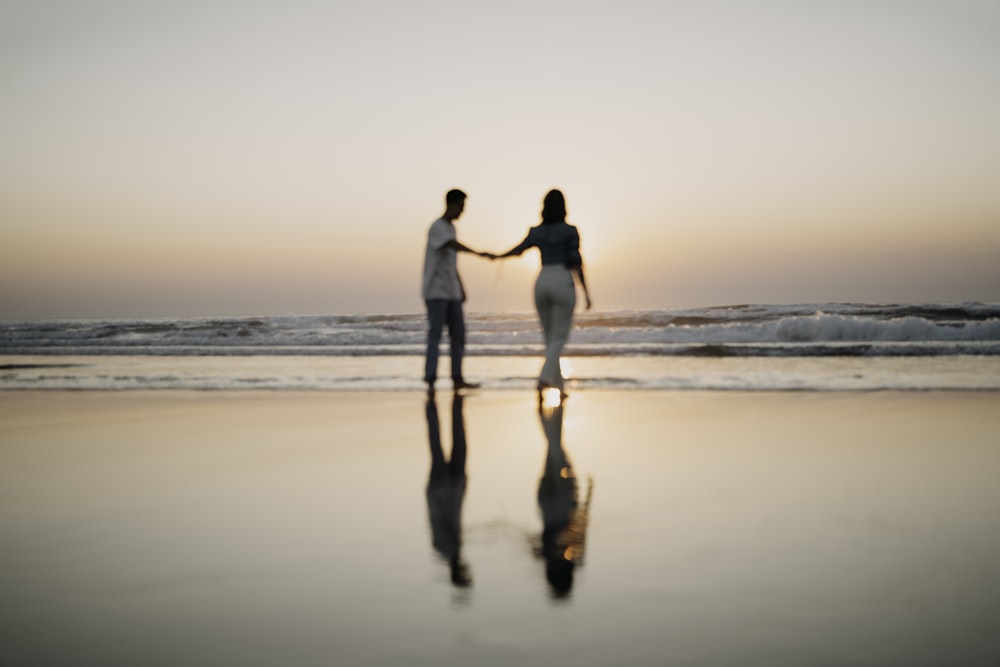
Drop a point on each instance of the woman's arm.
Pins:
(578, 270)
(516, 251)
(575, 262)
(519, 248)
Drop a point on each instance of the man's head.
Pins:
(455, 204)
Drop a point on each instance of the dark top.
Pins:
(558, 242)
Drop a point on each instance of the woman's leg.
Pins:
(555, 297)
(543, 306)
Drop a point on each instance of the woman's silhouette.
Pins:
(555, 292)
(564, 520)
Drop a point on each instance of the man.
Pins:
(446, 489)
(443, 292)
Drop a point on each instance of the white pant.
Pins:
(555, 299)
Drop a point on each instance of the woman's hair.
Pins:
(554, 207)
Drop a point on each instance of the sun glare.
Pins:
(551, 397)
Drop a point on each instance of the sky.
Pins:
(240, 157)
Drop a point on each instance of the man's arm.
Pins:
(464, 248)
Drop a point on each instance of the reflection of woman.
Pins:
(555, 293)
(564, 520)
(446, 490)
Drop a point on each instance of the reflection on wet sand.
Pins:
(564, 519)
(561, 544)
(446, 489)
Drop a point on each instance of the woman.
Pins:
(564, 518)
(555, 292)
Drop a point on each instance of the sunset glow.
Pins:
(220, 158)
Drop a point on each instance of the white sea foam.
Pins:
(741, 331)
(813, 347)
(387, 373)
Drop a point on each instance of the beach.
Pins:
(298, 528)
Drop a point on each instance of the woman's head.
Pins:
(553, 207)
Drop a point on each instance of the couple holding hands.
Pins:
(555, 288)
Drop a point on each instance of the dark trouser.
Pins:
(439, 313)
(447, 468)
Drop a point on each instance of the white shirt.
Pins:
(440, 263)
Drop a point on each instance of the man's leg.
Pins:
(436, 309)
(439, 467)
(456, 462)
(456, 335)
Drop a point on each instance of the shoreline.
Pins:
(271, 527)
(585, 374)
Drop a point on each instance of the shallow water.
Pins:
(295, 528)
(374, 373)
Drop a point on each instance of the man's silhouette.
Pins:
(446, 489)
(443, 291)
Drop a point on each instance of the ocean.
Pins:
(762, 485)
(808, 347)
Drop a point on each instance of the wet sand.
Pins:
(296, 528)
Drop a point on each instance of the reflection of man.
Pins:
(564, 521)
(443, 291)
(446, 489)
